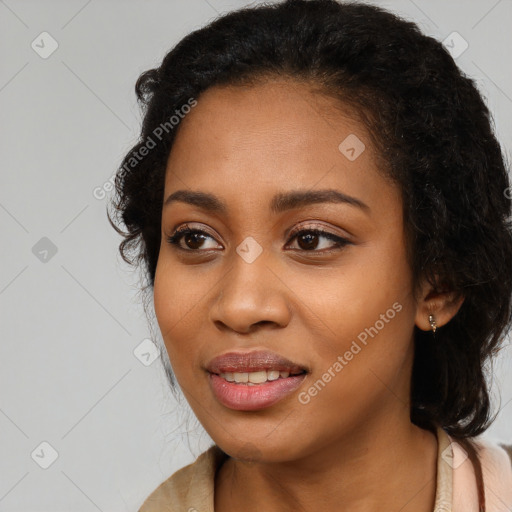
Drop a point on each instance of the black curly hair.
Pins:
(432, 131)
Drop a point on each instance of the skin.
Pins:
(353, 443)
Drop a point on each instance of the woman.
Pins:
(322, 212)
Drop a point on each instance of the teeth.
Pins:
(258, 377)
(252, 378)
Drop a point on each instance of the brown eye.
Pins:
(307, 239)
(193, 238)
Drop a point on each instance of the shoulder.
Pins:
(190, 487)
(507, 448)
(496, 457)
(496, 462)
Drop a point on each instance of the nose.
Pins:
(250, 296)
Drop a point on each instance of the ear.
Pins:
(443, 305)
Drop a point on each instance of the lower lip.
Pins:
(242, 397)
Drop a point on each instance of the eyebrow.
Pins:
(280, 202)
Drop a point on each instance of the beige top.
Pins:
(191, 488)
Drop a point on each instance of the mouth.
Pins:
(254, 380)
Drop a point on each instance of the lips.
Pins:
(254, 380)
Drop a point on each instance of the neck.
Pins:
(386, 466)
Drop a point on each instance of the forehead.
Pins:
(275, 135)
(281, 112)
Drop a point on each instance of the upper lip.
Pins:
(252, 362)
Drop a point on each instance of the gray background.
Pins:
(72, 374)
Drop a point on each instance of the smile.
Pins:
(254, 378)
(250, 381)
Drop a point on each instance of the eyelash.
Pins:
(340, 242)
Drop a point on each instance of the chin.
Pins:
(262, 449)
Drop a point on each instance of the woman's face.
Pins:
(276, 159)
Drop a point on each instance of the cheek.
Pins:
(175, 302)
(366, 315)
(165, 298)
(364, 368)
(348, 299)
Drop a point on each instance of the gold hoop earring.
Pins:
(432, 322)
